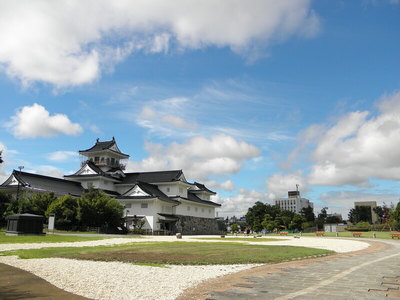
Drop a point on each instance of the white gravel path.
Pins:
(115, 280)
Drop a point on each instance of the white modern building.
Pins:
(164, 199)
(294, 202)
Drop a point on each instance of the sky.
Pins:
(249, 97)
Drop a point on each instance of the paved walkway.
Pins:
(368, 275)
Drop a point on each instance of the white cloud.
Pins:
(343, 201)
(164, 116)
(3, 173)
(46, 170)
(359, 147)
(35, 121)
(198, 157)
(278, 184)
(227, 185)
(69, 42)
(239, 204)
(60, 156)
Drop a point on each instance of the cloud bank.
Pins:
(198, 157)
(35, 121)
(67, 43)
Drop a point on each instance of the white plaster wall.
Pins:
(174, 189)
(202, 210)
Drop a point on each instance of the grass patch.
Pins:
(48, 238)
(368, 234)
(243, 239)
(152, 265)
(178, 253)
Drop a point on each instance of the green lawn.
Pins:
(243, 239)
(368, 234)
(180, 253)
(48, 238)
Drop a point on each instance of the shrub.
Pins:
(360, 226)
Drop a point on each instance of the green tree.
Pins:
(256, 212)
(308, 213)
(394, 216)
(321, 219)
(97, 209)
(296, 222)
(333, 219)
(257, 227)
(66, 212)
(360, 214)
(234, 228)
(36, 202)
(266, 221)
(6, 201)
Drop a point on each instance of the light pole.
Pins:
(20, 168)
(126, 218)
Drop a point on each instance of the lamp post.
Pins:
(126, 218)
(20, 168)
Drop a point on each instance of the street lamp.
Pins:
(20, 168)
(126, 218)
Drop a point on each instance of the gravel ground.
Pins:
(115, 280)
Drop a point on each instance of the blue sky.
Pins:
(249, 97)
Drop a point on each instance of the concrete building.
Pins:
(294, 202)
(164, 199)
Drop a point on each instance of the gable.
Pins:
(12, 180)
(182, 178)
(114, 148)
(136, 191)
(86, 170)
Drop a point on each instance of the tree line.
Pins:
(262, 216)
(388, 216)
(93, 209)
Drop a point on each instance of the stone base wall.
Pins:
(195, 226)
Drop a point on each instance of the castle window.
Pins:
(188, 208)
(144, 205)
(168, 189)
(96, 159)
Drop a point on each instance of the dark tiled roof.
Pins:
(95, 168)
(152, 190)
(152, 177)
(101, 146)
(194, 198)
(47, 183)
(203, 188)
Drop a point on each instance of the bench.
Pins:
(283, 233)
(357, 234)
(395, 235)
(320, 233)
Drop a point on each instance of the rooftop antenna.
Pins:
(20, 168)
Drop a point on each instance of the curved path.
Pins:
(373, 273)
